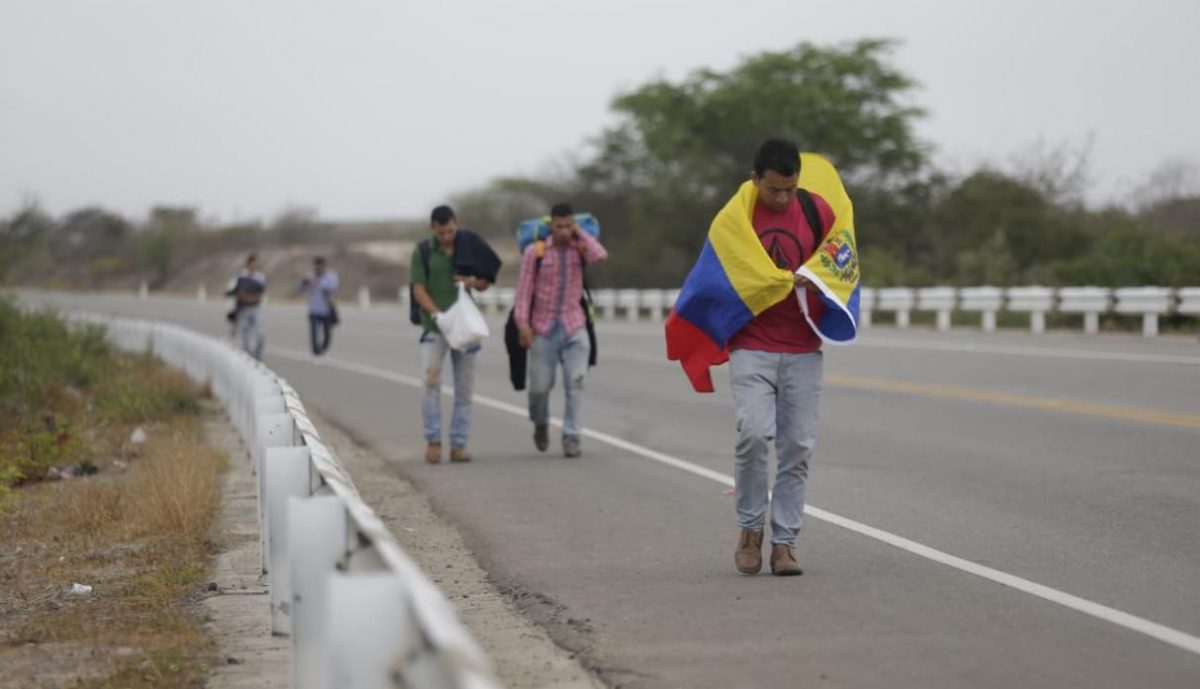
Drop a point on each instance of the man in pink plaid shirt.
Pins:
(550, 320)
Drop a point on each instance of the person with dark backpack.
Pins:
(249, 287)
(439, 263)
(552, 323)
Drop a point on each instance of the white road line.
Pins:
(1140, 625)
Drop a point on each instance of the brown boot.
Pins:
(433, 453)
(748, 556)
(459, 454)
(783, 561)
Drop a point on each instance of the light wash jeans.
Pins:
(250, 322)
(777, 396)
(548, 352)
(433, 356)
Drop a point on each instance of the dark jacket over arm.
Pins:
(474, 257)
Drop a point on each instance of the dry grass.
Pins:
(170, 492)
(139, 536)
(137, 531)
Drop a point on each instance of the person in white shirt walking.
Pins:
(320, 286)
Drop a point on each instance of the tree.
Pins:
(679, 151)
(298, 225)
(1172, 180)
(23, 235)
(497, 209)
(89, 233)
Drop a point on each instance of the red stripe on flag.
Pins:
(695, 350)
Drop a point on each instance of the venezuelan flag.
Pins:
(734, 279)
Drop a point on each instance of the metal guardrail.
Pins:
(359, 612)
(1151, 303)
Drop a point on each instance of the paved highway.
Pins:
(985, 510)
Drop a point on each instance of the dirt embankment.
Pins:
(380, 265)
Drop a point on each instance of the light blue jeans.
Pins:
(548, 353)
(250, 322)
(433, 356)
(776, 396)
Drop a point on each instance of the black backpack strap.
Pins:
(414, 310)
(812, 215)
(537, 269)
(425, 249)
(587, 290)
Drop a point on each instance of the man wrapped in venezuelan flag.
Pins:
(777, 277)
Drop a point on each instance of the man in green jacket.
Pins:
(435, 289)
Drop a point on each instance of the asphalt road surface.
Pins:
(985, 510)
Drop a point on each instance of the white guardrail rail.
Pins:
(359, 612)
(1151, 303)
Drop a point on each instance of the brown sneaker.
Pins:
(748, 556)
(459, 454)
(433, 453)
(783, 561)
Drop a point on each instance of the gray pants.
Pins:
(777, 396)
(250, 323)
(433, 357)
(548, 353)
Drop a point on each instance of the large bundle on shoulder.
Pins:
(538, 229)
(529, 232)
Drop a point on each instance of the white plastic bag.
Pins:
(462, 324)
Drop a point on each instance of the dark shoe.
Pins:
(433, 453)
(783, 561)
(748, 556)
(571, 446)
(459, 454)
(541, 437)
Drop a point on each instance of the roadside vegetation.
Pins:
(107, 502)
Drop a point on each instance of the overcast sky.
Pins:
(375, 109)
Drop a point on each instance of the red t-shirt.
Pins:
(789, 241)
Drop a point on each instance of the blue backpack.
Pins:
(533, 230)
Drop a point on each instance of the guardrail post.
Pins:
(672, 296)
(322, 520)
(143, 291)
(201, 294)
(1090, 301)
(505, 298)
(287, 471)
(985, 299)
(1149, 302)
(370, 628)
(364, 298)
(899, 300)
(606, 302)
(253, 388)
(630, 300)
(266, 403)
(1035, 301)
(274, 430)
(1189, 301)
(938, 299)
(653, 301)
(489, 301)
(866, 304)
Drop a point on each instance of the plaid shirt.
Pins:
(559, 285)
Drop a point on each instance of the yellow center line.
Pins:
(955, 392)
(965, 394)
